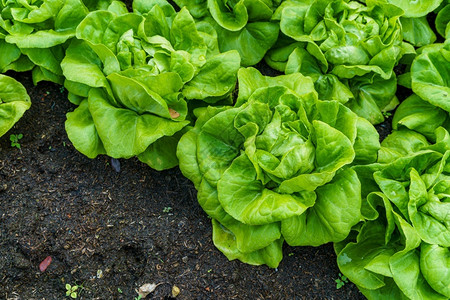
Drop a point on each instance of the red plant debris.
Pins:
(45, 263)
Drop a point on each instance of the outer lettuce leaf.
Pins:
(316, 225)
(418, 8)
(420, 116)
(269, 169)
(435, 265)
(197, 8)
(401, 143)
(417, 31)
(430, 75)
(442, 21)
(144, 6)
(11, 54)
(372, 96)
(82, 132)
(98, 124)
(252, 42)
(14, 101)
(225, 241)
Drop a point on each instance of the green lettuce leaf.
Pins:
(14, 101)
(420, 116)
(430, 75)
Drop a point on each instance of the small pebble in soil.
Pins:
(115, 163)
(146, 289)
(175, 291)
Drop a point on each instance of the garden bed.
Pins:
(112, 232)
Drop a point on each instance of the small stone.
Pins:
(185, 259)
(146, 289)
(115, 163)
(175, 291)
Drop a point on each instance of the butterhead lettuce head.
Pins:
(272, 168)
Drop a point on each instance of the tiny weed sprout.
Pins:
(73, 291)
(341, 281)
(15, 140)
(167, 209)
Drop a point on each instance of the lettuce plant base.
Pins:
(56, 202)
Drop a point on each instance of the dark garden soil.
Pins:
(112, 232)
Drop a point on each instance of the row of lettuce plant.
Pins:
(293, 158)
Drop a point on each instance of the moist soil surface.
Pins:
(112, 231)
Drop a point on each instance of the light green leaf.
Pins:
(417, 31)
(246, 199)
(216, 78)
(226, 243)
(14, 101)
(414, 9)
(124, 132)
(435, 267)
(335, 211)
(420, 116)
(431, 76)
(82, 132)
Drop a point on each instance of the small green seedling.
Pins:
(167, 209)
(15, 140)
(341, 281)
(73, 290)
